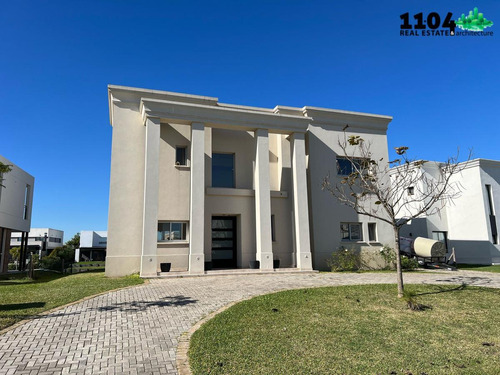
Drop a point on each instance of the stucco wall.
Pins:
(325, 212)
(12, 198)
(126, 191)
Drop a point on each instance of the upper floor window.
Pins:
(223, 170)
(411, 190)
(26, 202)
(345, 166)
(180, 155)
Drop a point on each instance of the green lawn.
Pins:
(479, 267)
(21, 298)
(353, 330)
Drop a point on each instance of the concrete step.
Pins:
(231, 272)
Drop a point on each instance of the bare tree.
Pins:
(372, 188)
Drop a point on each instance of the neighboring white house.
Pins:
(469, 223)
(92, 246)
(202, 184)
(42, 240)
(16, 201)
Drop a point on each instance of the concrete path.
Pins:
(136, 330)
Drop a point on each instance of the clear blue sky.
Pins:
(58, 57)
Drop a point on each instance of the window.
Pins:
(171, 231)
(54, 239)
(493, 221)
(345, 166)
(372, 232)
(26, 201)
(223, 170)
(180, 155)
(411, 190)
(440, 236)
(273, 229)
(350, 231)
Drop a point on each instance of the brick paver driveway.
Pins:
(136, 330)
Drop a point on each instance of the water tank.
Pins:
(427, 248)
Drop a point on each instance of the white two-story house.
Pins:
(202, 184)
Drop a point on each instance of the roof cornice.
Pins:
(222, 117)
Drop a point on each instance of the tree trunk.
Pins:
(399, 271)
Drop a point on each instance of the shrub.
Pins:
(12, 266)
(65, 253)
(344, 259)
(389, 256)
(408, 263)
(52, 263)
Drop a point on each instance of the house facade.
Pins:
(469, 223)
(16, 201)
(201, 184)
(92, 246)
(40, 240)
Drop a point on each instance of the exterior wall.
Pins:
(12, 198)
(40, 233)
(12, 210)
(90, 238)
(126, 191)
(466, 219)
(325, 211)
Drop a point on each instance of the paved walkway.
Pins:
(135, 330)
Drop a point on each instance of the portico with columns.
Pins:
(165, 173)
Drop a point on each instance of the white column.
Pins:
(149, 264)
(300, 205)
(197, 200)
(263, 200)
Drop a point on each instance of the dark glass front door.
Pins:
(223, 242)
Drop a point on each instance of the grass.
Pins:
(354, 330)
(21, 298)
(480, 267)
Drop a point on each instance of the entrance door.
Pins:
(223, 242)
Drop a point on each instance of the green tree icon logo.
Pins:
(475, 21)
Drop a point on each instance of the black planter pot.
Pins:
(165, 267)
(254, 264)
(276, 263)
(208, 266)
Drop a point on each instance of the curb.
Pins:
(181, 355)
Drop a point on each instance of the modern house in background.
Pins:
(16, 201)
(92, 246)
(41, 240)
(201, 184)
(469, 223)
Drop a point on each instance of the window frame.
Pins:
(351, 168)
(233, 169)
(183, 231)
(435, 237)
(375, 234)
(349, 227)
(273, 228)
(177, 162)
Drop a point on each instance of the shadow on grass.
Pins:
(21, 278)
(21, 306)
(467, 280)
(143, 305)
(442, 289)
